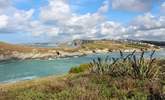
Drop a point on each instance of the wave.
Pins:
(19, 79)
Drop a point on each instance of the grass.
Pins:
(136, 45)
(81, 87)
(80, 68)
(111, 45)
(9, 49)
(105, 79)
(102, 45)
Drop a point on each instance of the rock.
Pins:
(1, 57)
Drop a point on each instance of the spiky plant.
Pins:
(144, 68)
(130, 65)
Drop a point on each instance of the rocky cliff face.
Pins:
(53, 54)
(80, 42)
(9, 51)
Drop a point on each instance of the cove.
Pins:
(14, 71)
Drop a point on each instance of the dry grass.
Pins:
(4, 47)
(111, 45)
(7, 49)
(103, 45)
(80, 87)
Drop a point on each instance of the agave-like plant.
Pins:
(131, 65)
(100, 66)
(145, 68)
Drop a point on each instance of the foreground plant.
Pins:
(130, 65)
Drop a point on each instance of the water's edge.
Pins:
(20, 70)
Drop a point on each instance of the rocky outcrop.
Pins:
(55, 54)
(48, 55)
(80, 42)
(23, 56)
(37, 55)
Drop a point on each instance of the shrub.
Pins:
(130, 65)
(79, 69)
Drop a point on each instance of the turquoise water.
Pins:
(13, 71)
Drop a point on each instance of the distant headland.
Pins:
(77, 47)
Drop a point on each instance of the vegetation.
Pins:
(129, 65)
(129, 77)
(136, 45)
(112, 45)
(102, 45)
(7, 49)
(81, 68)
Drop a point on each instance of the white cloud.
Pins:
(4, 3)
(153, 34)
(13, 20)
(63, 23)
(3, 21)
(5, 6)
(60, 15)
(146, 21)
(105, 7)
(59, 21)
(17, 23)
(132, 5)
(162, 8)
(112, 30)
(53, 31)
(147, 27)
(57, 10)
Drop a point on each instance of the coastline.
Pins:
(89, 53)
(33, 81)
(52, 54)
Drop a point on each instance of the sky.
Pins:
(28, 21)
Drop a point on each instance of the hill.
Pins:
(74, 48)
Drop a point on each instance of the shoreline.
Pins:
(61, 54)
(37, 78)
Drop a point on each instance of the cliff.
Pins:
(82, 47)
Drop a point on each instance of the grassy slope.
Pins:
(111, 45)
(103, 45)
(82, 86)
(5, 47)
(8, 48)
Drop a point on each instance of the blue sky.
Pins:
(24, 21)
